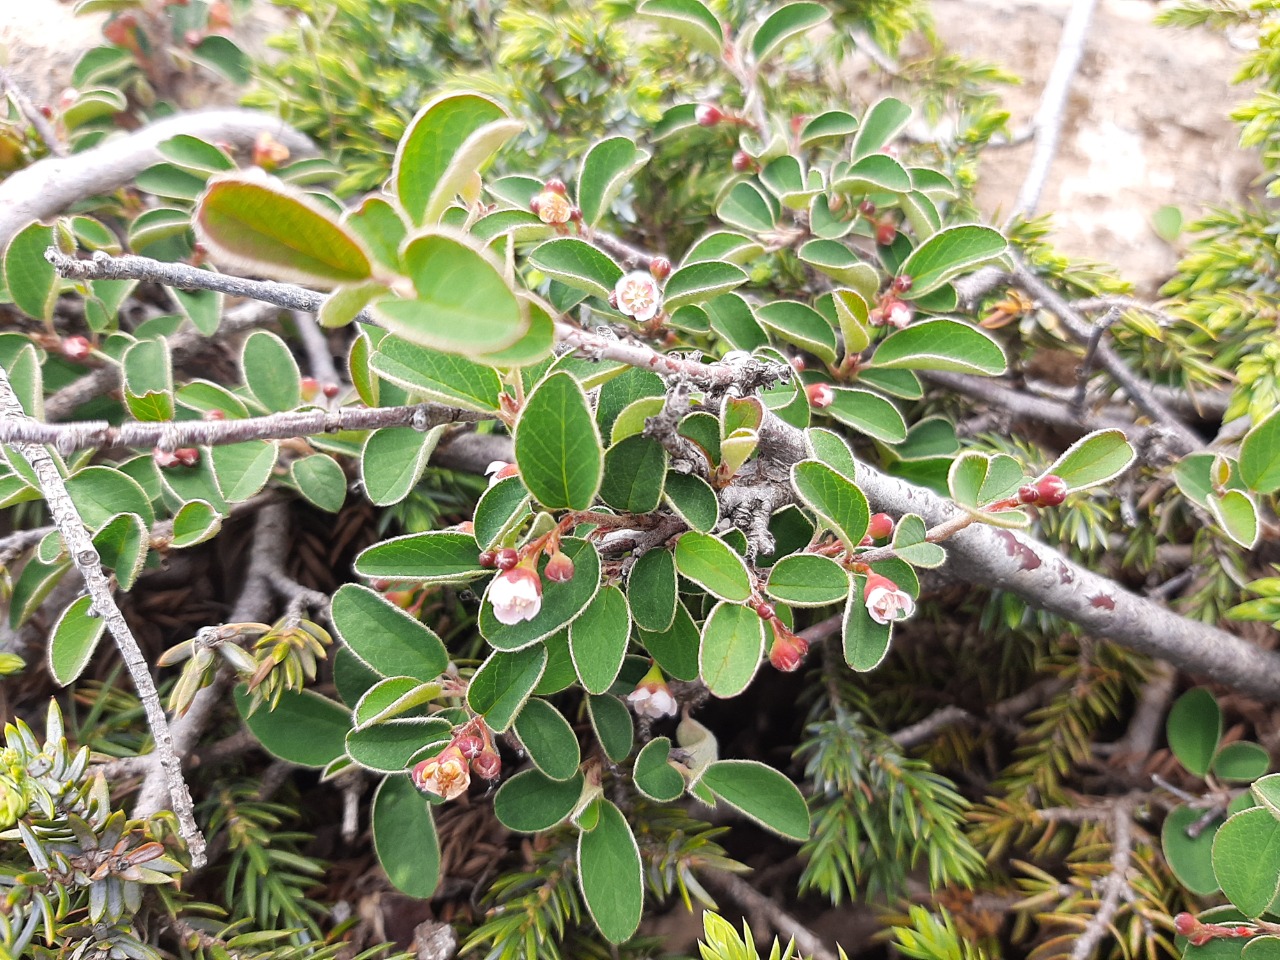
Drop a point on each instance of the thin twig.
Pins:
(170, 434)
(1113, 888)
(80, 547)
(44, 130)
(1053, 102)
(1025, 406)
(316, 344)
(750, 374)
(940, 719)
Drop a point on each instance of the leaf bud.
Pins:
(820, 395)
(559, 568)
(1051, 490)
(708, 115)
(880, 526)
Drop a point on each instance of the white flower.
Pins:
(885, 602)
(516, 595)
(653, 700)
(638, 296)
(499, 470)
(445, 775)
(552, 208)
(898, 315)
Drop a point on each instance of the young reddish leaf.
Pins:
(261, 224)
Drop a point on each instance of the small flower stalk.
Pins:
(885, 601)
(652, 697)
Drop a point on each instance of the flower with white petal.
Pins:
(638, 296)
(445, 775)
(898, 315)
(499, 470)
(516, 595)
(885, 601)
(653, 700)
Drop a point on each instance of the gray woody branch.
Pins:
(45, 189)
(81, 550)
(748, 375)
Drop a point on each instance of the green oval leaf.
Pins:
(1260, 455)
(549, 739)
(1093, 459)
(598, 639)
(74, 638)
(1190, 858)
(401, 813)
(884, 121)
(713, 565)
(865, 642)
(609, 873)
(393, 460)
(949, 253)
(304, 728)
(611, 721)
(693, 499)
(732, 644)
(1241, 762)
(606, 168)
(443, 148)
(439, 376)
(504, 682)
(653, 775)
(391, 746)
(1194, 728)
(320, 479)
(699, 282)
(32, 281)
(557, 445)
(265, 226)
(941, 344)
(635, 469)
(868, 413)
(436, 557)
(384, 637)
(531, 802)
(1246, 850)
(651, 590)
(577, 264)
(834, 498)
(808, 580)
(690, 19)
(761, 793)
(270, 372)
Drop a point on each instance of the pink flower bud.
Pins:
(331, 390)
(76, 348)
(556, 185)
(886, 231)
(1185, 924)
(660, 268)
(885, 601)
(187, 456)
(165, 458)
(742, 162)
(488, 559)
(507, 558)
(470, 745)
(820, 395)
(310, 388)
(516, 594)
(708, 114)
(788, 650)
(897, 314)
(1051, 490)
(880, 526)
(559, 568)
(487, 765)
(1028, 494)
(902, 283)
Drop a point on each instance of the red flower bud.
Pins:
(214, 415)
(902, 283)
(507, 558)
(867, 208)
(766, 611)
(820, 395)
(742, 162)
(1052, 491)
(164, 458)
(880, 526)
(1028, 494)
(76, 348)
(487, 765)
(310, 388)
(489, 559)
(798, 364)
(187, 456)
(660, 268)
(556, 185)
(708, 114)
(1185, 924)
(788, 650)
(613, 299)
(535, 204)
(886, 232)
(331, 390)
(470, 745)
(559, 568)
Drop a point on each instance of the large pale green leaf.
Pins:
(884, 121)
(462, 304)
(698, 282)
(577, 264)
(435, 557)
(609, 872)
(101, 492)
(691, 19)
(713, 565)
(941, 344)
(1093, 459)
(75, 636)
(605, 171)
(785, 22)
(304, 728)
(386, 638)
(598, 639)
(557, 445)
(949, 253)
(732, 644)
(834, 498)
(393, 460)
(760, 792)
(262, 225)
(33, 283)
(1246, 850)
(440, 376)
(443, 148)
(504, 682)
(1260, 455)
(399, 813)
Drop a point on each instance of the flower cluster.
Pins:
(448, 773)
